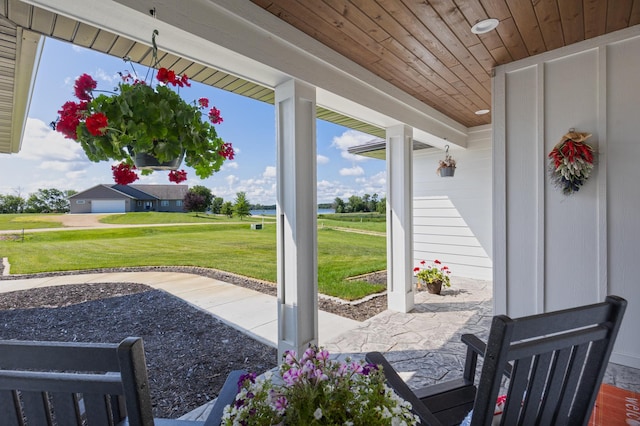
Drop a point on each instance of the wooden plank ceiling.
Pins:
(427, 49)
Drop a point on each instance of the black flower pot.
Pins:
(147, 161)
(447, 171)
(434, 287)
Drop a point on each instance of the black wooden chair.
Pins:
(554, 363)
(62, 383)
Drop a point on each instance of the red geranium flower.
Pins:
(70, 115)
(83, 87)
(214, 116)
(97, 123)
(203, 102)
(123, 174)
(227, 151)
(177, 176)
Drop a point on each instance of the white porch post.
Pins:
(400, 295)
(297, 221)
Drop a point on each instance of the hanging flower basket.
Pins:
(140, 120)
(147, 161)
(571, 162)
(446, 167)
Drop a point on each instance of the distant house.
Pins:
(129, 198)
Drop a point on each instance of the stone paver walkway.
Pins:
(424, 345)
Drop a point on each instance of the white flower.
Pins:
(317, 414)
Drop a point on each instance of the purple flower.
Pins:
(249, 376)
(368, 368)
(290, 357)
(323, 355)
(356, 368)
(281, 404)
(291, 376)
(310, 353)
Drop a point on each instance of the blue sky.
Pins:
(48, 160)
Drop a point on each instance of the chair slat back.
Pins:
(46, 383)
(558, 361)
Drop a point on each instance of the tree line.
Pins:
(357, 204)
(42, 201)
(199, 199)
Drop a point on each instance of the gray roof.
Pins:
(133, 192)
(163, 192)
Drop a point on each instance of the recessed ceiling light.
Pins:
(482, 112)
(485, 26)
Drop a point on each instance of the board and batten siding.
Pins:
(452, 215)
(554, 251)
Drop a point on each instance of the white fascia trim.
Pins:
(243, 39)
(28, 53)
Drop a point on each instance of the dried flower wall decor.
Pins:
(571, 162)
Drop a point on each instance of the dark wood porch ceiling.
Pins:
(427, 49)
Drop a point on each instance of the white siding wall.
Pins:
(554, 251)
(452, 215)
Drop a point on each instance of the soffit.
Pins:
(426, 48)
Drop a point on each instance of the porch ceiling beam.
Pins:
(243, 39)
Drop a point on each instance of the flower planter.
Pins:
(435, 287)
(147, 161)
(106, 123)
(447, 171)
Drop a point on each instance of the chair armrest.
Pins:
(474, 343)
(400, 387)
(225, 397)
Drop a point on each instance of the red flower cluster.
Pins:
(70, 115)
(177, 176)
(169, 77)
(74, 114)
(214, 115)
(227, 151)
(571, 150)
(123, 174)
(83, 87)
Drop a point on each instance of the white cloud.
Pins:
(322, 159)
(269, 172)
(228, 165)
(352, 171)
(232, 180)
(349, 139)
(42, 143)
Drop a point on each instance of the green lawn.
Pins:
(364, 221)
(229, 247)
(29, 221)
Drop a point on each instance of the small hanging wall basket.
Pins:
(571, 162)
(446, 167)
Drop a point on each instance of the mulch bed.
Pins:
(189, 352)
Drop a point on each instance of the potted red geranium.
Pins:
(145, 126)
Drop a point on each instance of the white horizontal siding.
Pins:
(452, 216)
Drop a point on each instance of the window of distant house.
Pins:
(164, 203)
(79, 201)
(178, 203)
(139, 203)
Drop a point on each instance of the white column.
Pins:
(400, 294)
(297, 216)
